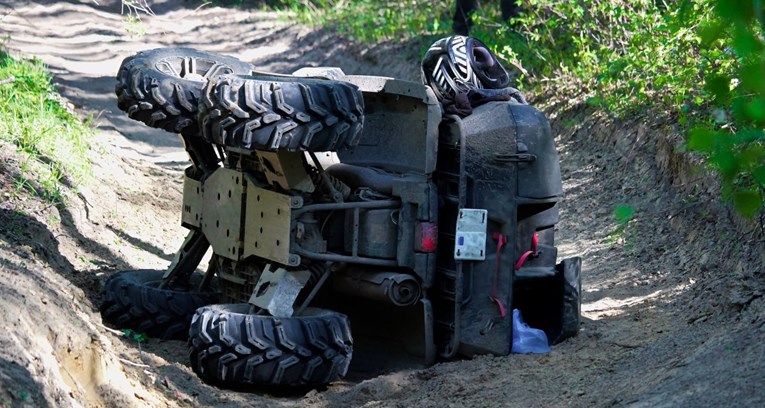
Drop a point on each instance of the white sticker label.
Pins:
(470, 238)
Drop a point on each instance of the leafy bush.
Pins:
(624, 55)
(698, 63)
(733, 138)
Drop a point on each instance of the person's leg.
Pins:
(510, 9)
(461, 22)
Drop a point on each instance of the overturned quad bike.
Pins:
(331, 201)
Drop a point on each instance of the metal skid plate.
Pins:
(192, 202)
(277, 290)
(470, 238)
(222, 212)
(286, 170)
(268, 222)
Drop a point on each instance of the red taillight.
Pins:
(426, 237)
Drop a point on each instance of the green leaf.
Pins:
(623, 213)
(755, 109)
(719, 87)
(751, 156)
(710, 32)
(746, 42)
(752, 77)
(726, 161)
(738, 11)
(701, 139)
(139, 337)
(759, 175)
(747, 202)
(739, 110)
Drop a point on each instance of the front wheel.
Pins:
(161, 87)
(231, 347)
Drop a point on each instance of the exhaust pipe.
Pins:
(399, 289)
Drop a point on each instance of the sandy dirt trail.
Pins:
(673, 304)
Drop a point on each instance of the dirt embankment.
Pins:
(673, 302)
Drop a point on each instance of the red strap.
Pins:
(501, 241)
(522, 259)
(527, 254)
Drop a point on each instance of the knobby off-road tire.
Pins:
(281, 113)
(230, 347)
(161, 87)
(571, 309)
(133, 300)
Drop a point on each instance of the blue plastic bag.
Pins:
(526, 339)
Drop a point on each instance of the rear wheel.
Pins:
(133, 300)
(161, 87)
(281, 113)
(231, 347)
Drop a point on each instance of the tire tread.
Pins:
(164, 100)
(234, 349)
(129, 303)
(276, 113)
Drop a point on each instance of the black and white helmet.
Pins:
(458, 63)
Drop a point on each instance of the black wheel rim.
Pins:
(191, 68)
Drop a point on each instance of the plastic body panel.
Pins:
(400, 133)
(540, 178)
(501, 158)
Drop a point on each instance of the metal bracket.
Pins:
(277, 290)
(191, 216)
(180, 254)
(286, 170)
(187, 258)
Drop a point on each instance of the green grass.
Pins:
(53, 141)
(374, 20)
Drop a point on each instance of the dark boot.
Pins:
(461, 21)
(510, 9)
